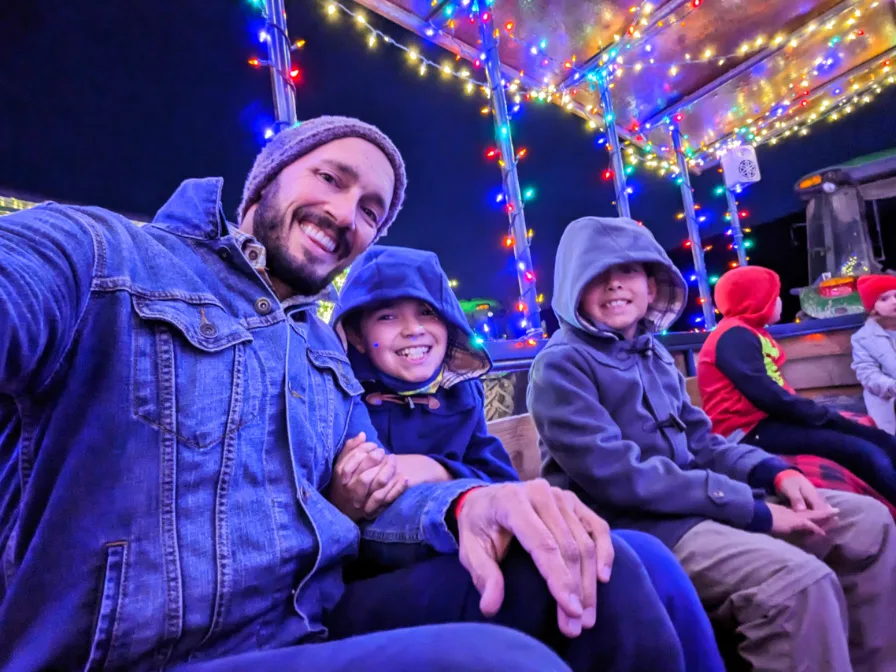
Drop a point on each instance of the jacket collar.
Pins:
(194, 210)
(872, 329)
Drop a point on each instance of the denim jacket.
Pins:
(167, 431)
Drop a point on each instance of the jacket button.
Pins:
(224, 253)
(208, 330)
(718, 493)
(263, 306)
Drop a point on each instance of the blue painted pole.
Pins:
(687, 198)
(280, 63)
(618, 167)
(736, 232)
(512, 193)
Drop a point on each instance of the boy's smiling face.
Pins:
(405, 339)
(619, 297)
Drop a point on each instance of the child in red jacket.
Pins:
(747, 398)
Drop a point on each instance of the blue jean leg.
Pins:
(678, 595)
(461, 647)
(633, 631)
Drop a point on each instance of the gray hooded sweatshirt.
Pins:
(615, 422)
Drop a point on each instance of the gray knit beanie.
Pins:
(296, 142)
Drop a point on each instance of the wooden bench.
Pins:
(520, 439)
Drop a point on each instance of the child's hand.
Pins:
(799, 492)
(358, 455)
(787, 521)
(419, 469)
(397, 474)
(356, 469)
(381, 497)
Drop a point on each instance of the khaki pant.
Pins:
(807, 604)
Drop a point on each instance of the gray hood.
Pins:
(591, 245)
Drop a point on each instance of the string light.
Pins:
(713, 278)
(421, 62)
(558, 80)
(620, 56)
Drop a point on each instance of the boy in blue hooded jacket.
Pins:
(412, 349)
(616, 427)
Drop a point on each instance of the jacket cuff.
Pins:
(762, 518)
(762, 476)
(419, 516)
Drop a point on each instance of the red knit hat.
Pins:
(872, 286)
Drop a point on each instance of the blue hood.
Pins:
(388, 273)
(591, 245)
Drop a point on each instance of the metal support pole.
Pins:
(512, 194)
(618, 168)
(736, 231)
(687, 198)
(280, 64)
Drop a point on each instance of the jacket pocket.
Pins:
(190, 370)
(335, 391)
(111, 590)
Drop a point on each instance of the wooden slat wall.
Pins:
(819, 360)
(816, 364)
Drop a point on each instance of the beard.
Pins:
(302, 273)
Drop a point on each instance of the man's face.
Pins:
(321, 212)
(619, 297)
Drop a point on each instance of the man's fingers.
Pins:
(385, 474)
(351, 456)
(386, 495)
(379, 474)
(527, 526)
(362, 458)
(603, 542)
(398, 487)
(361, 487)
(486, 575)
(566, 502)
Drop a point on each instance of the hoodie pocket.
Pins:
(111, 590)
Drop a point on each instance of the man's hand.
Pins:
(569, 543)
(364, 479)
(358, 454)
(386, 484)
(799, 491)
(787, 521)
(385, 481)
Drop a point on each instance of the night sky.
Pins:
(113, 103)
